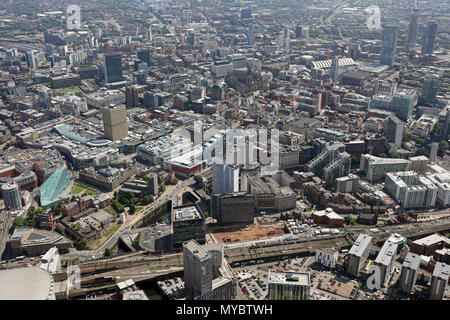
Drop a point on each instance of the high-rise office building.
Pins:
(145, 56)
(411, 39)
(354, 50)
(198, 271)
(190, 39)
(410, 269)
(358, 254)
(439, 281)
(394, 130)
(233, 208)
(289, 285)
(11, 196)
(207, 275)
(251, 35)
(132, 96)
(429, 37)
(150, 34)
(113, 68)
(401, 103)
(334, 71)
(287, 40)
(31, 59)
(430, 89)
(246, 13)
(151, 100)
(153, 183)
(389, 43)
(433, 151)
(225, 178)
(115, 122)
(188, 223)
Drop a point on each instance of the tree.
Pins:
(443, 146)
(83, 243)
(108, 252)
(132, 209)
(19, 222)
(162, 187)
(147, 199)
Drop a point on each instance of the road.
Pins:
(5, 224)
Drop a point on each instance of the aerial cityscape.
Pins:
(252, 150)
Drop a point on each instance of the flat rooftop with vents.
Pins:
(290, 278)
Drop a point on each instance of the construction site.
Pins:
(257, 231)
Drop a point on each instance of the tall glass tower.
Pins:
(429, 37)
(113, 68)
(390, 35)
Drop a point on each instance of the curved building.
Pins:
(26, 284)
(11, 195)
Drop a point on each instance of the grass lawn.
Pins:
(79, 188)
(111, 231)
(90, 192)
(69, 89)
(111, 210)
(76, 189)
(95, 243)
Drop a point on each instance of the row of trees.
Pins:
(129, 199)
(30, 220)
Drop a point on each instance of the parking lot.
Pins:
(173, 288)
(253, 284)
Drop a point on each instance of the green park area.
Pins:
(73, 89)
(79, 188)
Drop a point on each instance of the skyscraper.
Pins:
(334, 71)
(250, 35)
(144, 56)
(354, 50)
(394, 130)
(207, 275)
(429, 37)
(115, 122)
(409, 273)
(439, 281)
(246, 13)
(132, 96)
(225, 178)
(113, 68)
(433, 151)
(411, 40)
(389, 43)
(150, 34)
(430, 89)
(31, 59)
(197, 270)
(11, 196)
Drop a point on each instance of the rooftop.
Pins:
(186, 213)
(25, 284)
(290, 278)
(360, 245)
